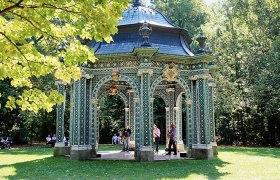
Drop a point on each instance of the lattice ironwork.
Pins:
(60, 115)
(75, 126)
(87, 113)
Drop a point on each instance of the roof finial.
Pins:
(136, 3)
(145, 32)
(201, 40)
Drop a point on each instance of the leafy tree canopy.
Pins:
(186, 14)
(244, 36)
(44, 37)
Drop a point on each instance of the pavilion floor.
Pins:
(129, 156)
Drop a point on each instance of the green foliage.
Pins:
(244, 37)
(189, 15)
(31, 33)
(38, 125)
(9, 119)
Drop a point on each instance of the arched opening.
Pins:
(111, 117)
(159, 114)
(173, 95)
(113, 110)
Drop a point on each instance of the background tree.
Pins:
(10, 120)
(189, 15)
(244, 38)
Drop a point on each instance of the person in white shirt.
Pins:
(156, 137)
(48, 139)
(65, 141)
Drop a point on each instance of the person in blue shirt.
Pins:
(114, 139)
(172, 140)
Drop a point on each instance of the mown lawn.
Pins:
(231, 163)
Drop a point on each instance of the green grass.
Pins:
(231, 163)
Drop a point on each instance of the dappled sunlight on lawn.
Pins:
(231, 163)
(249, 166)
(5, 172)
(10, 158)
(197, 176)
(261, 151)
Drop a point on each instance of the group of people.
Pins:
(124, 138)
(117, 139)
(172, 139)
(51, 140)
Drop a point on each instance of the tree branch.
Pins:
(18, 50)
(63, 9)
(44, 32)
(50, 6)
(17, 5)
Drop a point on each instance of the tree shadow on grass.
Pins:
(64, 168)
(27, 151)
(254, 151)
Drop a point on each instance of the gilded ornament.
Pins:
(170, 72)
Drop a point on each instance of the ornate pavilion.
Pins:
(150, 57)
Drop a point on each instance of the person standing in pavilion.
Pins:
(172, 140)
(156, 137)
(126, 134)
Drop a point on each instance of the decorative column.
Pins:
(128, 121)
(97, 128)
(145, 106)
(138, 128)
(190, 124)
(71, 114)
(202, 149)
(178, 115)
(170, 112)
(131, 116)
(211, 85)
(144, 54)
(196, 125)
(82, 109)
(94, 127)
(87, 115)
(171, 96)
(80, 149)
(59, 149)
(126, 116)
(146, 151)
(167, 115)
(151, 100)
